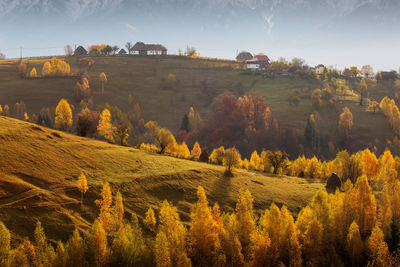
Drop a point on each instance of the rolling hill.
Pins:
(199, 82)
(39, 169)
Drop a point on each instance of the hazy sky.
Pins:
(331, 32)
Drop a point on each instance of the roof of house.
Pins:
(80, 50)
(139, 46)
(319, 66)
(122, 51)
(244, 55)
(262, 58)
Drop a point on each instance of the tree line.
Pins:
(342, 228)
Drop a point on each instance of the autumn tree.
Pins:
(23, 255)
(129, 247)
(378, 249)
(369, 163)
(82, 185)
(205, 245)
(86, 122)
(162, 251)
(363, 91)
(312, 132)
(75, 250)
(246, 219)
(4, 244)
(46, 70)
(61, 257)
(290, 247)
(122, 131)
(33, 73)
(278, 160)
(63, 115)
(316, 98)
(82, 90)
(354, 71)
(285, 247)
(364, 206)
(150, 220)
(231, 159)
(103, 79)
(6, 110)
(44, 252)
(104, 203)
(68, 50)
(55, 67)
(311, 237)
(175, 233)
(196, 151)
(20, 109)
(105, 128)
(354, 245)
(260, 249)
(99, 244)
(374, 106)
(217, 155)
(162, 135)
(345, 124)
(117, 213)
(255, 160)
(22, 69)
(194, 120)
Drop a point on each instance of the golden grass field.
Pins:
(39, 169)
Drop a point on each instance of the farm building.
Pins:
(259, 62)
(143, 49)
(80, 51)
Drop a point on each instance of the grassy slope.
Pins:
(141, 77)
(39, 168)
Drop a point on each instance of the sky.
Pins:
(339, 33)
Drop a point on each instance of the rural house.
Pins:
(80, 51)
(259, 62)
(143, 49)
(122, 52)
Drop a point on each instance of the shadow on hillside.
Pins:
(222, 186)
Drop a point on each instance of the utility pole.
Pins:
(20, 53)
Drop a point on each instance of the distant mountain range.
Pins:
(76, 9)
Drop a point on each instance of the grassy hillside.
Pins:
(39, 169)
(198, 83)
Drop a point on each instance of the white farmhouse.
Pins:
(143, 49)
(259, 62)
(253, 64)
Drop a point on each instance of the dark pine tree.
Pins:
(185, 124)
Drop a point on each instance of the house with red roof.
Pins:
(259, 62)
